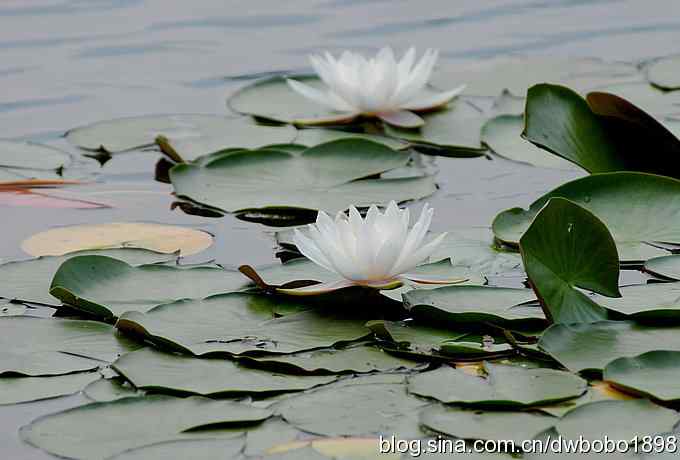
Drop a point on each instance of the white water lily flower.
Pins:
(377, 87)
(378, 251)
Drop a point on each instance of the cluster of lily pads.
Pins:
(189, 361)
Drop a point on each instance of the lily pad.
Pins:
(635, 207)
(28, 156)
(154, 237)
(503, 386)
(315, 136)
(645, 97)
(23, 389)
(565, 248)
(617, 420)
(591, 346)
(358, 359)
(469, 424)
(153, 370)
(272, 99)
(503, 135)
(106, 287)
(604, 133)
(238, 323)
(345, 448)
(659, 302)
(48, 346)
(191, 134)
(29, 280)
(356, 407)
(106, 390)
(654, 374)
(664, 73)
(101, 430)
(460, 304)
(665, 267)
(195, 449)
(324, 177)
(456, 128)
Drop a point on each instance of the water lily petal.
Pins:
(429, 279)
(402, 119)
(311, 93)
(310, 250)
(317, 289)
(434, 100)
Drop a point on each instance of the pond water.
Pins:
(67, 63)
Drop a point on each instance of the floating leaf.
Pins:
(456, 129)
(565, 248)
(635, 207)
(616, 420)
(192, 135)
(315, 136)
(237, 323)
(460, 304)
(23, 389)
(154, 237)
(356, 359)
(149, 369)
(658, 302)
(29, 280)
(468, 424)
(28, 156)
(106, 287)
(503, 135)
(654, 374)
(195, 449)
(106, 390)
(503, 386)
(363, 406)
(100, 430)
(30, 198)
(586, 346)
(322, 177)
(47, 346)
(664, 73)
(665, 267)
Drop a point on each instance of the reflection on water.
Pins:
(72, 62)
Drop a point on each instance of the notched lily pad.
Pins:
(23, 389)
(667, 267)
(166, 239)
(654, 374)
(502, 386)
(328, 177)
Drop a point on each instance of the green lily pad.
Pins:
(617, 420)
(315, 136)
(654, 374)
(360, 406)
(358, 359)
(658, 302)
(591, 346)
(23, 389)
(269, 434)
(29, 280)
(456, 128)
(518, 73)
(475, 248)
(238, 323)
(192, 135)
(469, 424)
(667, 267)
(503, 135)
(565, 248)
(602, 133)
(635, 207)
(106, 287)
(324, 177)
(272, 99)
(106, 390)
(665, 73)
(101, 430)
(195, 449)
(25, 155)
(149, 369)
(503, 386)
(477, 304)
(48, 346)
(598, 392)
